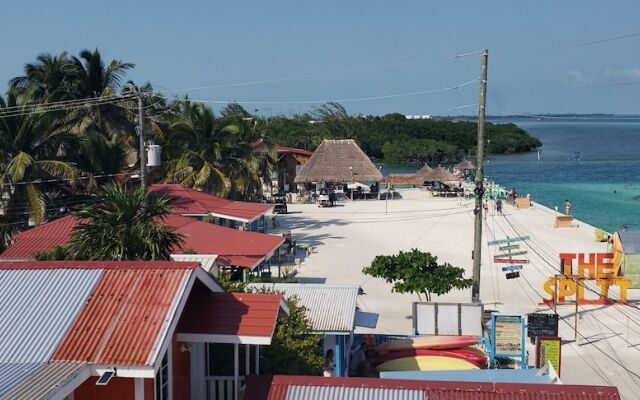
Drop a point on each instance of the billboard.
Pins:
(455, 319)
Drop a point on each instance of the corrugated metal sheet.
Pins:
(118, 265)
(330, 308)
(236, 314)
(123, 317)
(46, 381)
(41, 238)
(11, 374)
(37, 308)
(207, 261)
(352, 393)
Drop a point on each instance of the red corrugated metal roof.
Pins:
(234, 247)
(276, 388)
(123, 317)
(285, 149)
(237, 314)
(41, 238)
(134, 265)
(190, 201)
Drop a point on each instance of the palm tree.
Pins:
(124, 225)
(48, 79)
(199, 149)
(30, 157)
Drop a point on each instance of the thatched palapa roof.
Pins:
(465, 164)
(338, 161)
(425, 170)
(403, 179)
(440, 175)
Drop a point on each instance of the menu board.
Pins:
(508, 334)
(548, 349)
(539, 324)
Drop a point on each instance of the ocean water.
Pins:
(603, 186)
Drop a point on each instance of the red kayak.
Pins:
(471, 355)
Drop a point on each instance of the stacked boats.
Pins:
(431, 353)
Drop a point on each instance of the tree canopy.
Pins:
(417, 272)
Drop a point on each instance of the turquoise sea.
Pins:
(603, 185)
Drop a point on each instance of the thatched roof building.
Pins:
(403, 179)
(440, 175)
(338, 161)
(425, 170)
(464, 165)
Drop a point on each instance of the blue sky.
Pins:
(187, 44)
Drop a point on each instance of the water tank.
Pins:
(154, 153)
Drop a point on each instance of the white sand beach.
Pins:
(348, 237)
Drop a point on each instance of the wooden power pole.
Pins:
(479, 181)
(142, 150)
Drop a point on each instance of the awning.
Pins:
(240, 318)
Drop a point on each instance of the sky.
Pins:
(281, 56)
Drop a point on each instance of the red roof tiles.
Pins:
(123, 317)
(277, 388)
(41, 238)
(191, 201)
(237, 314)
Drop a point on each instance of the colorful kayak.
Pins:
(428, 342)
(426, 363)
(475, 356)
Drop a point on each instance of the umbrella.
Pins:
(440, 175)
(424, 171)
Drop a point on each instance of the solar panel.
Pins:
(105, 378)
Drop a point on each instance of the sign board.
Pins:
(507, 337)
(512, 275)
(509, 247)
(595, 267)
(549, 350)
(508, 240)
(511, 254)
(510, 261)
(430, 318)
(511, 268)
(539, 324)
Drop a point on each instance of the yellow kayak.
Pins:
(426, 363)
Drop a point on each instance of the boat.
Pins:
(428, 342)
(472, 355)
(426, 363)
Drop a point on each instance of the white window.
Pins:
(162, 378)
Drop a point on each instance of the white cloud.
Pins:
(625, 73)
(577, 77)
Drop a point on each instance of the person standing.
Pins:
(499, 206)
(329, 364)
(567, 207)
(357, 361)
(485, 208)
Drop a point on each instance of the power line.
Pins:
(321, 74)
(591, 43)
(345, 100)
(58, 106)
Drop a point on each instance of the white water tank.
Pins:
(154, 155)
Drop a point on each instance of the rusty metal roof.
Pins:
(124, 317)
(41, 238)
(330, 308)
(282, 387)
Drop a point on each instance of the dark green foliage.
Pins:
(58, 253)
(293, 350)
(417, 272)
(124, 225)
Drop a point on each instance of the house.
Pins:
(331, 310)
(319, 388)
(231, 248)
(230, 213)
(626, 255)
(124, 330)
(290, 162)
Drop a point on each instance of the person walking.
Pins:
(485, 208)
(567, 207)
(499, 206)
(329, 364)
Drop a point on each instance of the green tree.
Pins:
(294, 350)
(417, 272)
(124, 225)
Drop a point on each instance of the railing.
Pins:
(222, 387)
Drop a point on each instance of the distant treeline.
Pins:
(394, 138)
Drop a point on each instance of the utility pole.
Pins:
(143, 154)
(479, 190)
